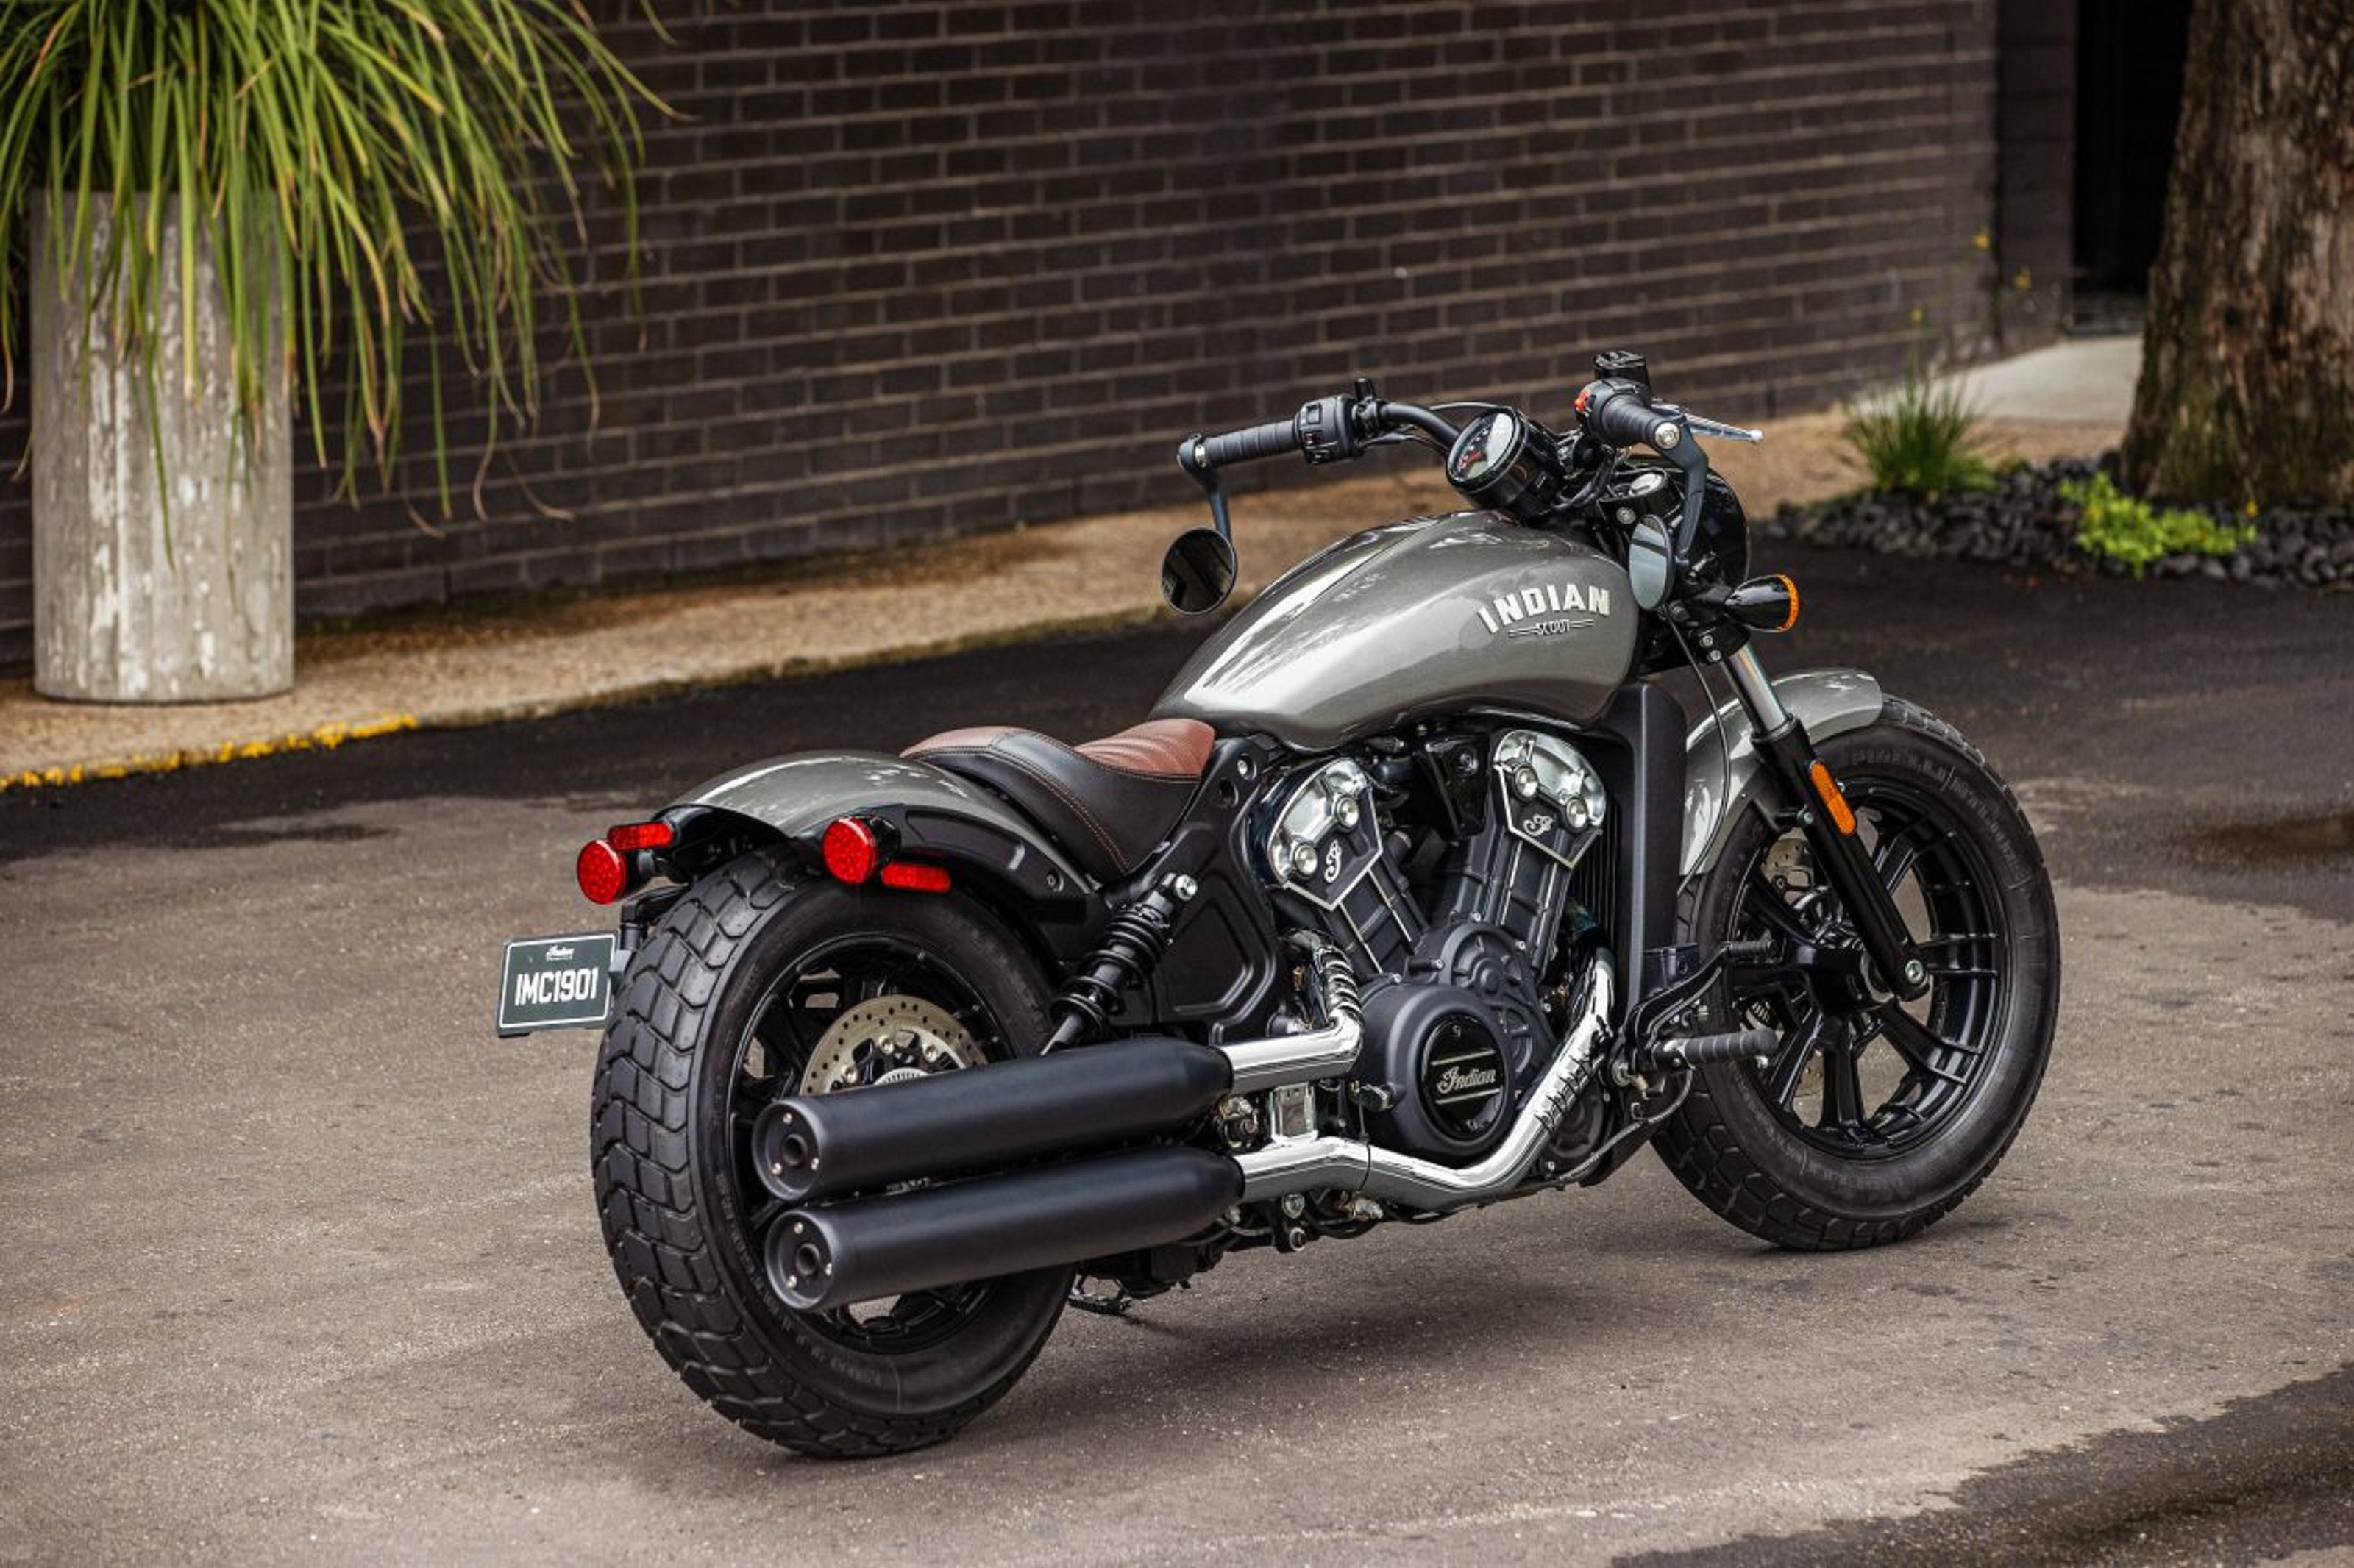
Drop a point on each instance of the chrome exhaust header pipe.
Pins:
(1305, 1165)
(1330, 1051)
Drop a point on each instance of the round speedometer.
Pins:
(1504, 460)
(1490, 439)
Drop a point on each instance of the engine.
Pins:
(1456, 1025)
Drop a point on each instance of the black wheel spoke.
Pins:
(753, 1096)
(1915, 1043)
(1842, 1092)
(1789, 1064)
(1891, 1121)
(1896, 852)
(763, 1213)
(783, 1029)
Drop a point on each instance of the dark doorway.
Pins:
(2129, 56)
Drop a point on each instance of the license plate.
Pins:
(557, 982)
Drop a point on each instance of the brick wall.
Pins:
(916, 269)
(2036, 185)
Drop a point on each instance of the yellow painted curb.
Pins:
(327, 737)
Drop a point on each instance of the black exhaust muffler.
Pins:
(818, 1146)
(993, 1225)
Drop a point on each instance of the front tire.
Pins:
(1872, 1119)
(758, 984)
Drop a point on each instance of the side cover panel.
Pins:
(1721, 768)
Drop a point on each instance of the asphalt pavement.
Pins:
(302, 1266)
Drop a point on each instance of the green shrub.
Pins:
(1923, 439)
(2127, 529)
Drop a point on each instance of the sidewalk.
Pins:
(468, 668)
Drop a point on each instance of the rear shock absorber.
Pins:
(1134, 942)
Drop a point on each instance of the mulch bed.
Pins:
(2024, 521)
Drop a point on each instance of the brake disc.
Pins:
(887, 1041)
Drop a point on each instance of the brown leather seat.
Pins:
(1109, 802)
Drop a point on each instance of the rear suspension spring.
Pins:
(1135, 940)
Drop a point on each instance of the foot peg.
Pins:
(1706, 1050)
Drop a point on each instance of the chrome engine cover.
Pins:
(1325, 847)
(1551, 797)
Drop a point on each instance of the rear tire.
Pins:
(707, 1027)
(1859, 1168)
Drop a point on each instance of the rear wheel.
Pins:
(1875, 1117)
(758, 984)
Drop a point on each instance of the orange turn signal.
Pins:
(1833, 801)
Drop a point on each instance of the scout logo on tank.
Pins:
(1508, 612)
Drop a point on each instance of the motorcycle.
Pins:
(1415, 892)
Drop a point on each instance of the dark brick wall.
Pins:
(920, 270)
(2036, 186)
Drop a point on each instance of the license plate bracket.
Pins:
(555, 983)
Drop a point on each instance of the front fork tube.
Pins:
(1807, 790)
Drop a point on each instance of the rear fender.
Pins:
(1720, 767)
(989, 848)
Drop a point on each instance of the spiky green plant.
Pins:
(1924, 438)
(378, 170)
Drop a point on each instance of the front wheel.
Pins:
(1876, 1117)
(758, 984)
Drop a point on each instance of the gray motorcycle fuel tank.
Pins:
(1468, 611)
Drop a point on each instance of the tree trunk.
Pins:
(153, 582)
(2247, 382)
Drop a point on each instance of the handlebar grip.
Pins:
(1619, 415)
(1274, 437)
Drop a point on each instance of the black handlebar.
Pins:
(1329, 429)
(1615, 411)
(1270, 440)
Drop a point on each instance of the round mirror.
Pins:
(1650, 563)
(1198, 572)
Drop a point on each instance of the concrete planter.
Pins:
(136, 601)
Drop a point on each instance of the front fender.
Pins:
(1721, 767)
(939, 816)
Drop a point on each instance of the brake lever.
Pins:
(1722, 432)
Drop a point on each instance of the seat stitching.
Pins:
(1134, 772)
(1078, 807)
(1072, 801)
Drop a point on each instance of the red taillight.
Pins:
(916, 878)
(851, 850)
(642, 836)
(604, 874)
